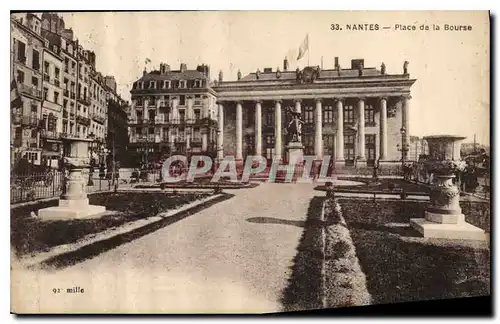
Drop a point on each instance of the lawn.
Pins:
(29, 235)
(202, 183)
(401, 266)
(382, 185)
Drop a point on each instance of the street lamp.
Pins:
(404, 148)
(91, 152)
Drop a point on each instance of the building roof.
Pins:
(173, 75)
(324, 74)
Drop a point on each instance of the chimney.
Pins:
(220, 76)
(183, 67)
(167, 67)
(285, 64)
(144, 72)
(162, 68)
(336, 61)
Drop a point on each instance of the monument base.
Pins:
(458, 231)
(295, 153)
(71, 209)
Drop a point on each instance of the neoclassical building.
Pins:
(355, 115)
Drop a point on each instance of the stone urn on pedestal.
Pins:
(73, 202)
(443, 216)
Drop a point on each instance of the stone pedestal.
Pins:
(443, 217)
(73, 202)
(295, 152)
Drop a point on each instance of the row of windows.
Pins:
(182, 114)
(168, 84)
(308, 115)
(182, 100)
(328, 115)
(20, 55)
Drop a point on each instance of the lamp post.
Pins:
(404, 148)
(91, 152)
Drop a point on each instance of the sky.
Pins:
(450, 96)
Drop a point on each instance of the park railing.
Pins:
(35, 186)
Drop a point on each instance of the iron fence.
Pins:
(35, 186)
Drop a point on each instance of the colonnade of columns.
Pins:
(318, 122)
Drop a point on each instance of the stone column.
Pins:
(239, 131)
(258, 128)
(383, 129)
(146, 109)
(318, 134)
(204, 141)
(339, 154)
(206, 113)
(277, 129)
(220, 140)
(189, 110)
(405, 115)
(361, 129)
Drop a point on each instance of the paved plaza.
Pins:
(234, 256)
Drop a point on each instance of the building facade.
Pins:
(61, 92)
(51, 127)
(173, 112)
(27, 51)
(117, 137)
(356, 115)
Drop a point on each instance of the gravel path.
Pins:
(235, 256)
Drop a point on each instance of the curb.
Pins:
(109, 233)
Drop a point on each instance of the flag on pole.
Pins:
(304, 47)
(15, 98)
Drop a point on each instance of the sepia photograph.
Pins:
(250, 162)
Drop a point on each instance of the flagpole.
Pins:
(308, 50)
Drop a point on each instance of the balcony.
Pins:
(46, 77)
(98, 118)
(73, 95)
(161, 120)
(50, 134)
(57, 83)
(21, 60)
(29, 121)
(85, 101)
(83, 120)
(66, 93)
(30, 90)
(146, 139)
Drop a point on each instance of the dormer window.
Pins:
(182, 84)
(166, 84)
(141, 85)
(152, 84)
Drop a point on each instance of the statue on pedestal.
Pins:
(294, 128)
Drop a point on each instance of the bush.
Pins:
(345, 282)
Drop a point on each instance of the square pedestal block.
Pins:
(445, 218)
(460, 231)
(62, 212)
